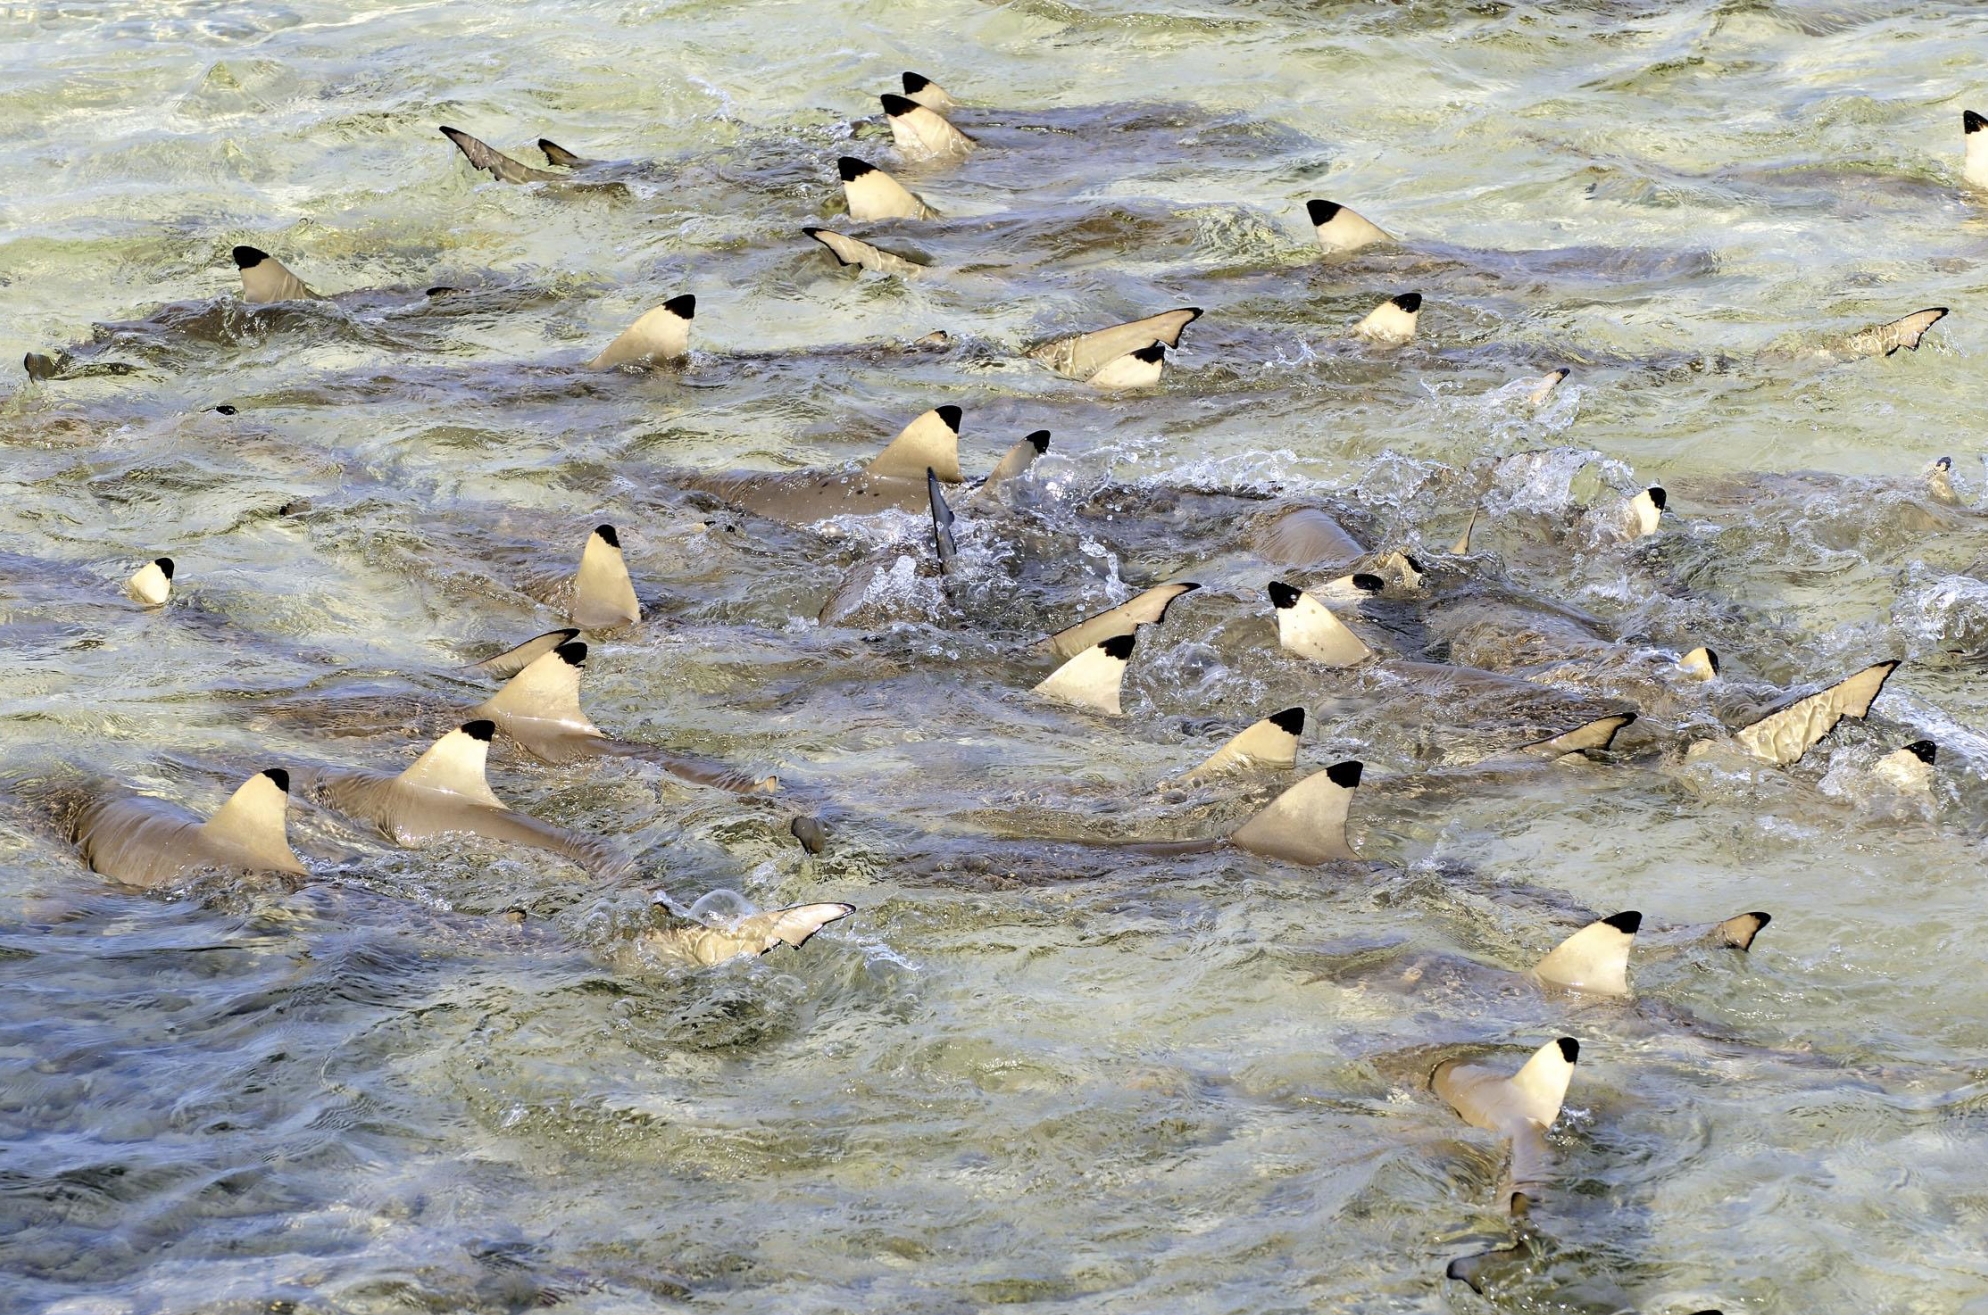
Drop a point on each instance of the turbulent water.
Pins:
(1027, 1071)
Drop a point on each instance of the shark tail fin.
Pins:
(1783, 736)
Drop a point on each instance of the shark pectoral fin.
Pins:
(662, 334)
(1307, 823)
(1738, 931)
(603, 595)
(1340, 229)
(929, 442)
(1392, 323)
(942, 522)
(254, 823)
(558, 155)
(1272, 742)
(1782, 737)
(455, 765)
(1093, 678)
(264, 279)
(498, 165)
(1595, 958)
(1146, 608)
(1308, 628)
(513, 660)
(922, 133)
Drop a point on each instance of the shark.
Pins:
(140, 841)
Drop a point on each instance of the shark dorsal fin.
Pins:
(254, 823)
(1939, 483)
(1738, 931)
(1094, 678)
(1700, 663)
(1462, 545)
(1909, 768)
(1595, 958)
(494, 162)
(1148, 607)
(1306, 824)
(548, 689)
(556, 154)
(922, 133)
(1783, 736)
(1308, 628)
(1084, 354)
(919, 88)
(874, 194)
(1392, 323)
(513, 660)
(1528, 1100)
(1141, 369)
(943, 541)
(1543, 387)
(1593, 735)
(455, 764)
(603, 595)
(1646, 511)
(152, 583)
(848, 251)
(264, 279)
(931, 442)
(1272, 742)
(1975, 167)
(1016, 460)
(662, 334)
(1884, 339)
(1340, 229)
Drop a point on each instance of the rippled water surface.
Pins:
(1028, 1071)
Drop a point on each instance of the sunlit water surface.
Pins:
(1025, 1072)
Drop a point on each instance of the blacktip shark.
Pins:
(152, 583)
(921, 132)
(754, 934)
(894, 480)
(146, 842)
(1304, 826)
(1518, 1107)
(1114, 352)
(873, 194)
(447, 791)
(1644, 512)
(1340, 229)
(602, 599)
(266, 279)
(539, 710)
(1909, 768)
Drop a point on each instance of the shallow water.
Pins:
(1024, 1072)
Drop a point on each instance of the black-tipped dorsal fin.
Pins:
(455, 765)
(494, 162)
(1594, 959)
(873, 194)
(1094, 678)
(1016, 460)
(1149, 607)
(922, 133)
(1340, 229)
(931, 95)
(1645, 511)
(1975, 166)
(603, 595)
(1392, 323)
(1306, 824)
(1783, 736)
(1509, 1104)
(265, 279)
(1738, 931)
(1700, 664)
(252, 827)
(929, 442)
(1308, 628)
(662, 334)
(1084, 354)
(1272, 742)
(547, 690)
(152, 583)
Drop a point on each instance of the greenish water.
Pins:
(1024, 1073)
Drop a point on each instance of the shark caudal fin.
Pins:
(1884, 339)
(1272, 742)
(1084, 355)
(928, 93)
(1340, 229)
(1594, 959)
(1645, 512)
(264, 279)
(495, 163)
(455, 765)
(253, 824)
(930, 442)
(152, 583)
(1306, 824)
(662, 334)
(603, 595)
(1093, 678)
(1392, 323)
(1308, 628)
(1700, 664)
(1783, 736)
(848, 251)
(873, 194)
(922, 133)
(943, 541)
(1146, 608)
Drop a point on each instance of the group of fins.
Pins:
(1314, 576)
